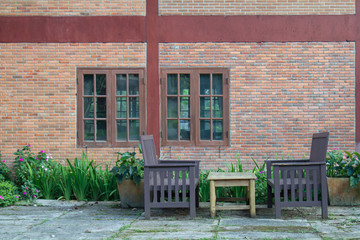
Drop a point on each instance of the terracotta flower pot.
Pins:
(341, 193)
(131, 195)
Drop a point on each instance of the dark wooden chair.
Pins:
(168, 183)
(299, 183)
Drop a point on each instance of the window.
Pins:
(111, 107)
(195, 107)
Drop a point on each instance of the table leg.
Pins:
(252, 198)
(212, 198)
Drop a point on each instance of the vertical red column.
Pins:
(152, 68)
(357, 76)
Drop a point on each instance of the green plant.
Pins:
(5, 174)
(343, 164)
(80, 176)
(29, 192)
(64, 181)
(128, 167)
(8, 193)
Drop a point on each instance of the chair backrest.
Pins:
(148, 149)
(319, 147)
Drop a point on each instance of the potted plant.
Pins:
(129, 174)
(343, 176)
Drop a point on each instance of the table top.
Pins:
(230, 175)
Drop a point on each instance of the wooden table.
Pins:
(231, 179)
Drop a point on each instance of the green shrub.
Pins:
(8, 193)
(5, 174)
(29, 192)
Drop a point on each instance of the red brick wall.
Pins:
(280, 94)
(258, 7)
(72, 7)
(38, 93)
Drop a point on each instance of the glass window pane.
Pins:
(172, 84)
(217, 130)
(88, 107)
(204, 84)
(88, 84)
(133, 84)
(184, 129)
(217, 84)
(185, 107)
(217, 107)
(121, 84)
(134, 130)
(100, 107)
(101, 84)
(172, 130)
(134, 107)
(89, 130)
(101, 130)
(172, 107)
(121, 107)
(184, 84)
(121, 130)
(205, 127)
(205, 107)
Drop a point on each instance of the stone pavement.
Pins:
(51, 219)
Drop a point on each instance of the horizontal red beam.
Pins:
(258, 28)
(72, 29)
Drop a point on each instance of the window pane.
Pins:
(101, 84)
(101, 130)
(172, 84)
(100, 107)
(184, 84)
(89, 130)
(121, 130)
(133, 84)
(205, 127)
(205, 107)
(88, 107)
(217, 107)
(185, 107)
(121, 107)
(217, 130)
(204, 84)
(217, 87)
(172, 107)
(121, 84)
(134, 107)
(88, 84)
(184, 129)
(172, 130)
(134, 130)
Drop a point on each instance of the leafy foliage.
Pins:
(343, 164)
(5, 174)
(128, 167)
(8, 193)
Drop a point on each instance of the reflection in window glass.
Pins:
(101, 130)
(184, 84)
(217, 84)
(172, 84)
(184, 129)
(89, 131)
(172, 129)
(121, 84)
(133, 129)
(88, 107)
(101, 107)
(217, 130)
(133, 84)
(205, 130)
(204, 84)
(121, 130)
(172, 108)
(101, 84)
(88, 84)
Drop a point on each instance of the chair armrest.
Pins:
(299, 164)
(165, 165)
(270, 163)
(287, 160)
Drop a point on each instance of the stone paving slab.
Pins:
(107, 220)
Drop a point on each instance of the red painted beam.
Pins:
(258, 28)
(152, 68)
(72, 29)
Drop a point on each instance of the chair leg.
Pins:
(197, 196)
(192, 204)
(277, 203)
(269, 196)
(147, 203)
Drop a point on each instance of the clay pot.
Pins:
(131, 195)
(341, 193)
